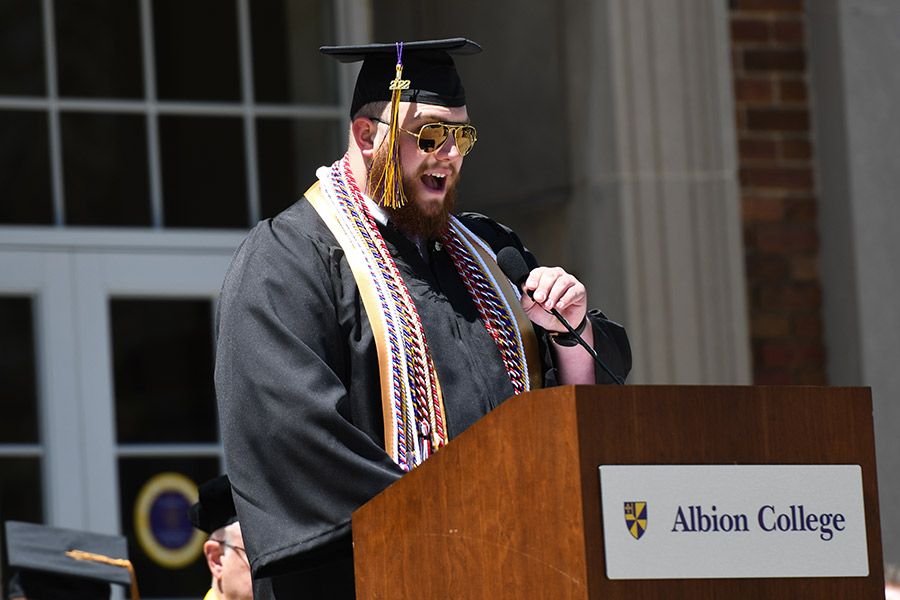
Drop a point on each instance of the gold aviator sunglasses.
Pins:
(432, 136)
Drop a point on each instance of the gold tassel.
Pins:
(116, 562)
(391, 183)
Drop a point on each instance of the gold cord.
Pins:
(116, 562)
(391, 182)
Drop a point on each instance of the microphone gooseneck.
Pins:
(513, 266)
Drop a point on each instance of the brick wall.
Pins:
(778, 202)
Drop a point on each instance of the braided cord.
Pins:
(492, 307)
(116, 562)
(416, 404)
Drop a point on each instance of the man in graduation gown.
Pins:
(365, 326)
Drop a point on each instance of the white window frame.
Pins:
(353, 26)
(72, 275)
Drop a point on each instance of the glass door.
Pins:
(167, 440)
(110, 421)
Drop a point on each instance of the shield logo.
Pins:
(636, 518)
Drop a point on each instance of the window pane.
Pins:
(21, 49)
(163, 370)
(27, 198)
(287, 67)
(98, 48)
(289, 152)
(105, 169)
(18, 372)
(204, 179)
(196, 50)
(23, 477)
(20, 499)
(163, 532)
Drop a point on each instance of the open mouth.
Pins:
(435, 181)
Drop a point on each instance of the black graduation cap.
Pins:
(426, 64)
(215, 508)
(53, 563)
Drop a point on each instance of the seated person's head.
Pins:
(226, 558)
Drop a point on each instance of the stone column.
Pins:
(655, 212)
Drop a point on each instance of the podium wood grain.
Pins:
(511, 507)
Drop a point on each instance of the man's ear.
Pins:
(365, 131)
(214, 551)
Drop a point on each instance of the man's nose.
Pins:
(449, 150)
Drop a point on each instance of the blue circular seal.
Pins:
(161, 523)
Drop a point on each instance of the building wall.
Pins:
(607, 138)
(856, 85)
(778, 193)
(816, 88)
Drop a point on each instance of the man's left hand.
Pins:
(554, 288)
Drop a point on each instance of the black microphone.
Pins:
(513, 266)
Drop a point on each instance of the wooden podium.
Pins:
(511, 507)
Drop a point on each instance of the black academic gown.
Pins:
(299, 392)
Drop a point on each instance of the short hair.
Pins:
(371, 110)
(225, 533)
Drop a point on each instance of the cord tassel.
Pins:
(116, 562)
(391, 182)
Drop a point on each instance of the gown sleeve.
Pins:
(287, 331)
(610, 340)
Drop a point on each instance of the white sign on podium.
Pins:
(713, 521)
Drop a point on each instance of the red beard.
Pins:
(410, 218)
